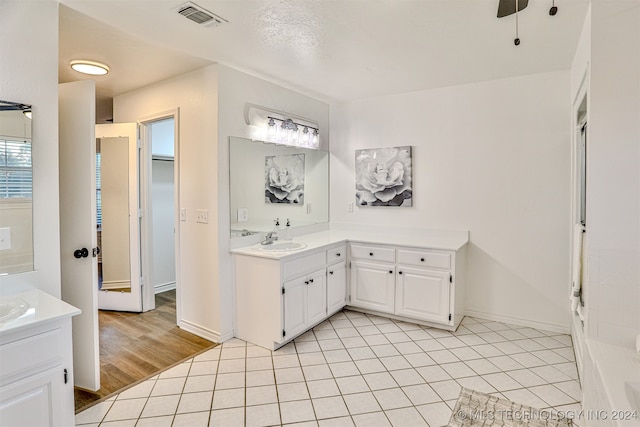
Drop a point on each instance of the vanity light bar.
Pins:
(289, 130)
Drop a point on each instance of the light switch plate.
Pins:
(183, 214)
(202, 216)
(243, 214)
(5, 238)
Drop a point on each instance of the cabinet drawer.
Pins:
(374, 253)
(37, 350)
(431, 259)
(304, 265)
(336, 254)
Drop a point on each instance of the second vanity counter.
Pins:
(417, 276)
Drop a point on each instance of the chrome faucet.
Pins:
(269, 238)
(272, 235)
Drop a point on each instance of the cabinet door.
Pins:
(295, 307)
(316, 297)
(373, 286)
(34, 401)
(336, 287)
(423, 294)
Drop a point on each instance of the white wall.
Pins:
(196, 95)
(237, 89)
(32, 26)
(613, 173)
(162, 189)
(492, 158)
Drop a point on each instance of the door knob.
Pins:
(81, 253)
(95, 252)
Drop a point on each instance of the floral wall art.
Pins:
(383, 176)
(284, 179)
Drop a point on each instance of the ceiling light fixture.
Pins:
(89, 67)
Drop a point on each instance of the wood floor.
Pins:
(136, 346)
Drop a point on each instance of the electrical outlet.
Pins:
(5, 238)
(202, 216)
(183, 214)
(243, 214)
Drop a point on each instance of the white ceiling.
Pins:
(337, 49)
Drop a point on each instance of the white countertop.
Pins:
(33, 306)
(427, 239)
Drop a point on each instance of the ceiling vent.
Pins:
(200, 15)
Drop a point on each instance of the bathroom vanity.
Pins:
(36, 362)
(281, 294)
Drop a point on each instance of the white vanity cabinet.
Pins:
(36, 380)
(425, 285)
(279, 299)
(304, 303)
(336, 279)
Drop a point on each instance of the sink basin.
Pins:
(282, 247)
(12, 309)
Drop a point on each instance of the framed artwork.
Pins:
(284, 179)
(383, 177)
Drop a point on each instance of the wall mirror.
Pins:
(112, 196)
(16, 177)
(269, 181)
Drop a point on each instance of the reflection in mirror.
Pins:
(112, 198)
(269, 181)
(16, 176)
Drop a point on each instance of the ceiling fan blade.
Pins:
(508, 7)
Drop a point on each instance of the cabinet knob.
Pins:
(370, 253)
(390, 271)
(306, 282)
(311, 281)
(422, 259)
(331, 272)
(338, 254)
(399, 272)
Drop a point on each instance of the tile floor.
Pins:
(353, 369)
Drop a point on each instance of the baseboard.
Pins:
(545, 326)
(164, 287)
(205, 333)
(579, 342)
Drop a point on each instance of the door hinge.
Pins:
(140, 213)
(349, 264)
(141, 282)
(66, 376)
(283, 333)
(450, 278)
(449, 317)
(283, 290)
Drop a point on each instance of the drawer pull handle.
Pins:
(338, 254)
(390, 271)
(311, 281)
(370, 253)
(422, 259)
(399, 272)
(306, 282)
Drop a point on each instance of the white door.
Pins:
(295, 308)
(316, 297)
(373, 286)
(79, 267)
(423, 294)
(336, 287)
(123, 232)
